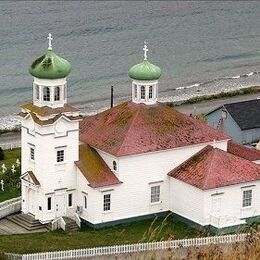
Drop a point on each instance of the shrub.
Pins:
(2, 155)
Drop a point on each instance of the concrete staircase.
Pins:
(28, 222)
(71, 225)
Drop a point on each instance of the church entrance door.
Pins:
(60, 207)
(31, 201)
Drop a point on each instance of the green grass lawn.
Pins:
(141, 231)
(10, 158)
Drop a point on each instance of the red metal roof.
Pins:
(212, 168)
(94, 169)
(242, 151)
(131, 128)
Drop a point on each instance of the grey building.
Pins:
(240, 120)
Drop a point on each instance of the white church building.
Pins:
(132, 161)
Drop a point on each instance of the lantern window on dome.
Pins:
(46, 94)
(57, 94)
(150, 92)
(142, 92)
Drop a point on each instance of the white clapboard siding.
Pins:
(131, 248)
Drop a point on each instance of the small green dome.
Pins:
(50, 66)
(145, 71)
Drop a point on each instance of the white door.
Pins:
(60, 205)
(31, 201)
(215, 212)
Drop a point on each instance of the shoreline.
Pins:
(203, 99)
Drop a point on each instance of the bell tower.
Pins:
(145, 77)
(50, 141)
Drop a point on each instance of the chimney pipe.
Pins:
(112, 96)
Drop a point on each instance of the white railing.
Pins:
(9, 207)
(10, 146)
(62, 223)
(58, 223)
(76, 218)
(131, 248)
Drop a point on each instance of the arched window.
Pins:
(37, 92)
(46, 94)
(135, 86)
(150, 92)
(57, 94)
(142, 92)
(114, 166)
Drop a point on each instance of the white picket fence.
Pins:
(122, 249)
(11, 206)
(10, 146)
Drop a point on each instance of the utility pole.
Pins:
(112, 96)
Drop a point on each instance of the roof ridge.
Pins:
(210, 166)
(129, 127)
(184, 163)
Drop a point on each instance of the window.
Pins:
(60, 156)
(85, 202)
(142, 92)
(247, 198)
(65, 91)
(37, 92)
(46, 94)
(107, 202)
(49, 203)
(70, 200)
(155, 194)
(32, 153)
(114, 166)
(150, 92)
(57, 94)
(135, 89)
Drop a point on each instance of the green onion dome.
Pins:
(145, 71)
(50, 66)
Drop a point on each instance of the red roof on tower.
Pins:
(212, 168)
(131, 128)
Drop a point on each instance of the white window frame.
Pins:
(150, 92)
(58, 157)
(57, 93)
(155, 196)
(70, 195)
(32, 153)
(106, 202)
(85, 201)
(247, 199)
(46, 95)
(142, 94)
(51, 200)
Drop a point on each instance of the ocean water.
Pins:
(201, 47)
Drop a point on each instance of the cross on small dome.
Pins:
(145, 49)
(50, 39)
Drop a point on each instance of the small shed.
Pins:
(239, 120)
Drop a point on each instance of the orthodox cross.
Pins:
(13, 169)
(18, 162)
(3, 168)
(145, 51)
(50, 39)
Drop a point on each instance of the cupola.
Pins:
(145, 77)
(50, 84)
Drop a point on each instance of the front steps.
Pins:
(71, 225)
(28, 222)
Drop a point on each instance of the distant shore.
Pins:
(203, 105)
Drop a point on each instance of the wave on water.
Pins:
(180, 93)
